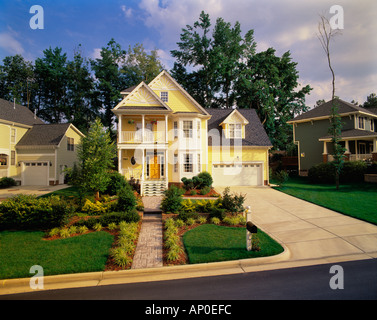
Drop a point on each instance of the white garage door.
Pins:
(237, 175)
(35, 174)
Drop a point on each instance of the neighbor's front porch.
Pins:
(356, 149)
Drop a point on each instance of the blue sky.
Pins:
(284, 25)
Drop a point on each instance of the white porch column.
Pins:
(120, 161)
(166, 167)
(374, 145)
(120, 129)
(143, 163)
(142, 129)
(347, 147)
(324, 147)
(166, 128)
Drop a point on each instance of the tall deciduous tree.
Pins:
(325, 34)
(96, 152)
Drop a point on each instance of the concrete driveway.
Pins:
(308, 230)
(35, 190)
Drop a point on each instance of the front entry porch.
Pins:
(364, 149)
(148, 166)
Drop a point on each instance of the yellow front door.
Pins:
(154, 168)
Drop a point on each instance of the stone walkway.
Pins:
(148, 252)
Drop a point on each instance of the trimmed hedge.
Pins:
(107, 218)
(352, 171)
(25, 212)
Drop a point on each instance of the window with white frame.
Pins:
(361, 122)
(187, 162)
(175, 163)
(199, 162)
(175, 124)
(235, 130)
(13, 135)
(198, 129)
(187, 129)
(371, 124)
(165, 96)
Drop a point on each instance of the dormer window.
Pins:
(164, 96)
(235, 130)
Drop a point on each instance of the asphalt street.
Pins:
(354, 280)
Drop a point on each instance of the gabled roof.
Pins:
(140, 98)
(237, 113)
(18, 114)
(45, 135)
(154, 84)
(255, 135)
(324, 111)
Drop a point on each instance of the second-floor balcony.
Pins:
(139, 137)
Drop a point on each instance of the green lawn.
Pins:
(19, 250)
(357, 200)
(210, 243)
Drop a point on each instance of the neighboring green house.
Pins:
(32, 152)
(359, 134)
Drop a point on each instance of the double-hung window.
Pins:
(361, 122)
(235, 130)
(70, 144)
(187, 129)
(164, 96)
(187, 162)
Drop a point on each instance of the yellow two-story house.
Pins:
(165, 135)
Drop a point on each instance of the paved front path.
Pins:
(308, 230)
(148, 252)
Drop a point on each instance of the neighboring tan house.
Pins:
(358, 136)
(165, 135)
(32, 152)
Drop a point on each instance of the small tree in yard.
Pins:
(325, 34)
(96, 152)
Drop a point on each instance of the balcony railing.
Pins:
(354, 157)
(138, 137)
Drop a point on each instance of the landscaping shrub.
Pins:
(352, 171)
(206, 179)
(281, 177)
(188, 215)
(117, 217)
(172, 201)
(217, 213)
(205, 190)
(29, 212)
(117, 183)
(322, 173)
(232, 203)
(126, 199)
(6, 182)
(188, 206)
(95, 208)
(188, 183)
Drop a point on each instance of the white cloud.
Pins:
(127, 12)
(287, 25)
(10, 44)
(96, 53)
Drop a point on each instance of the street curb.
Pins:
(75, 280)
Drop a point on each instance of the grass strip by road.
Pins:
(211, 243)
(357, 200)
(20, 250)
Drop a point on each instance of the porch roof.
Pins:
(352, 134)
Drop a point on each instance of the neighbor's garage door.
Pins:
(237, 175)
(35, 174)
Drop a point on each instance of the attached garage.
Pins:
(245, 174)
(35, 173)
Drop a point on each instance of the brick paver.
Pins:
(148, 252)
